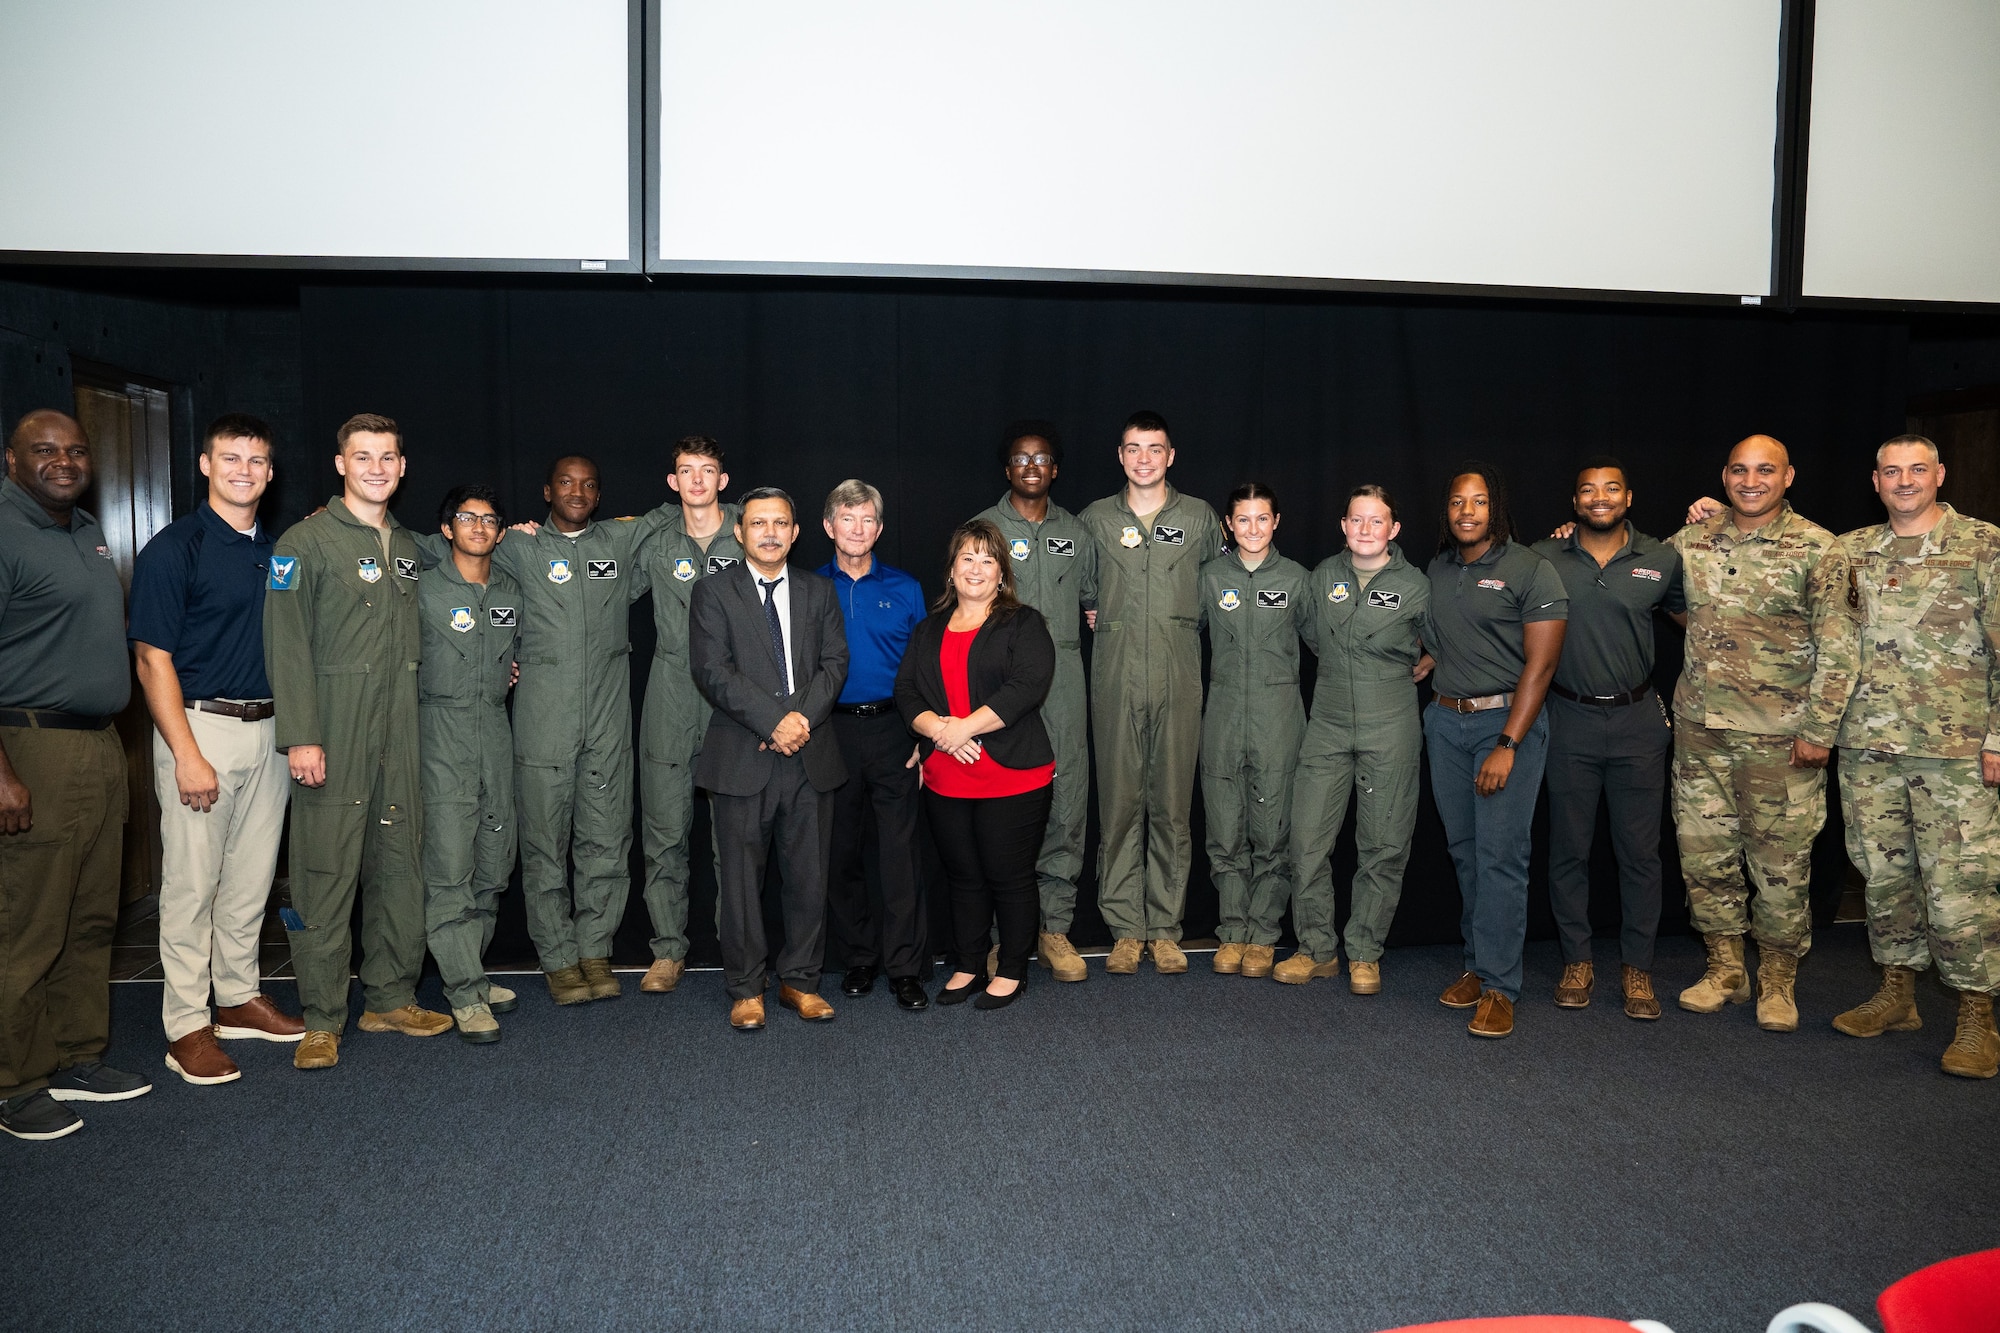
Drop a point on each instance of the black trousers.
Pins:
(1622, 753)
(796, 821)
(894, 934)
(989, 849)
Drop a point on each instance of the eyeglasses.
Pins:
(466, 516)
(1025, 460)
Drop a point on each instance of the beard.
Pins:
(1594, 525)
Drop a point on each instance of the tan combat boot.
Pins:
(318, 1050)
(1725, 982)
(1893, 1008)
(1975, 1051)
(1573, 991)
(1257, 960)
(1060, 957)
(1124, 960)
(1364, 978)
(1300, 968)
(663, 975)
(1777, 972)
(599, 977)
(1229, 959)
(567, 986)
(1168, 960)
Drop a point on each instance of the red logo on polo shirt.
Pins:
(1495, 584)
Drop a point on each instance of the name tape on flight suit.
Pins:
(718, 563)
(1062, 546)
(1276, 598)
(1171, 536)
(600, 569)
(1389, 601)
(406, 568)
(500, 617)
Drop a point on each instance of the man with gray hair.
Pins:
(879, 607)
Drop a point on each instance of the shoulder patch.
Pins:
(1382, 597)
(284, 572)
(1274, 598)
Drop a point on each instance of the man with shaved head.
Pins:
(1756, 714)
(63, 678)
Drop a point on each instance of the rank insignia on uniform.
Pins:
(559, 571)
(500, 617)
(1339, 593)
(1388, 601)
(600, 569)
(1497, 585)
(405, 568)
(684, 569)
(1275, 598)
(284, 568)
(1019, 548)
(1061, 546)
(1171, 536)
(1130, 537)
(1231, 599)
(370, 571)
(461, 619)
(1652, 574)
(718, 563)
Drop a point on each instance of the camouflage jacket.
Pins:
(1924, 635)
(1758, 603)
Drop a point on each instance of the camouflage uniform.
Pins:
(1758, 603)
(1924, 636)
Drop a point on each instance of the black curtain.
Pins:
(910, 387)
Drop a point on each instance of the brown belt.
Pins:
(1485, 703)
(250, 712)
(48, 719)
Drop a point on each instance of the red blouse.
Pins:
(986, 777)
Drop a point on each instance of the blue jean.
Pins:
(1488, 836)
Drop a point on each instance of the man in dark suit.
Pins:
(768, 650)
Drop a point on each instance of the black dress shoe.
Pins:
(960, 994)
(910, 993)
(988, 1000)
(859, 980)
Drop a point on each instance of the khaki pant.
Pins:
(59, 903)
(216, 867)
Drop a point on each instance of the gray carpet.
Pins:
(1199, 1152)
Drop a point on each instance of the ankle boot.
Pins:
(1725, 981)
(1777, 1011)
(1975, 1051)
(1893, 1008)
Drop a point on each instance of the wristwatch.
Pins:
(1505, 742)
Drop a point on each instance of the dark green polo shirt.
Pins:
(1609, 646)
(1473, 624)
(62, 613)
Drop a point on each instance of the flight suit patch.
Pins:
(559, 571)
(1231, 599)
(1388, 601)
(461, 619)
(718, 563)
(370, 571)
(600, 569)
(1130, 537)
(684, 569)
(284, 569)
(405, 568)
(1061, 546)
(500, 617)
(1275, 598)
(1171, 536)
(1019, 548)
(1339, 593)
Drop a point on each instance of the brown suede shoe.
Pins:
(1259, 960)
(257, 1019)
(597, 975)
(1124, 959)
(805, 1004)
(747, 1015)
(1573, 991)
(1228, 959)
(1463, 993)
(317, 1050)
(1495, 1017)
(1364, 978)
(1168, 960)
(1639, 999)
(410, 1020)
(199, 1060)
(663, 975)
(1060, 957)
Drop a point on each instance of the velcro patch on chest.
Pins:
(1275, 598)
(461, 619)
(1653, 574)
(370, 571)
(500, 617)
(1171, 536)
(1019, 548)
(600, 569)
(406, 568)
(684, 570)
(718, 563)
(1497, 585)
(1061, 546)
(1231, 599)
(1339, 592)
(1388, 601)
(559, 571)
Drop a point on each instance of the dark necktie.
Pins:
(777, 630)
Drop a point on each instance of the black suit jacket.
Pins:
(729, 649)
(1010, 668)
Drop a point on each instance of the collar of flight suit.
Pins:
(337, 506)
(1397, 560)
(1173, 498)
(1935, 541)
(1271, 558)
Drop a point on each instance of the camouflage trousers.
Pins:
(1926, 835)
(1739, 804)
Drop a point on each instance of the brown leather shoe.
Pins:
(1228, 959)
(1461, 994)
(198, 1059)
(317, 1050)
(411, 1020)
(1124, 959)
(1639, 999)
(663, 975)
(1495, 1017)
(1259, 960)
(805, 1004)
(1573, 991)
(257, 1019)
(747, 1015)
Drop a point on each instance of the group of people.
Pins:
(432, 704)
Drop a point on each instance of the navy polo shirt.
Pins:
(198, 593)
(880, 609)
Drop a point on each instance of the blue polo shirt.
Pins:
(880, 609)
(198, 593)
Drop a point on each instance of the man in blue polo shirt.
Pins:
(880, 606)
(197, 630)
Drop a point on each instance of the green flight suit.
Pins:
(1366, 736)
(1145, 703)
(1250, 737)
(341, 646)
(1055, 571)
(674, 719)
(470, 637)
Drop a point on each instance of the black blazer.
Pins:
(729, 651)
(1012, 663)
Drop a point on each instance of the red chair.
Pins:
(1957, 1296)
(1536, 1323)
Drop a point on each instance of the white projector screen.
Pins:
(459, 132)
(1554, 144)
(1903, 159)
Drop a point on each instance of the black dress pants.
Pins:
(894, 934)
(788, 816)
(1620, 752)
(989, 849)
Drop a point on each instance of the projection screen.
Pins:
(1903, 168)
(1550, 144)
(450, 133)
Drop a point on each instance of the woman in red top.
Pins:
(971, 686)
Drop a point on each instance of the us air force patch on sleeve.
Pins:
(1130, 537)
(500, 617)
(284, 572)
(684, 569)
(1019, 548)
(1171, 536)
(1275, 598)
(600, 569)
(461, 619)
(1388, 601)
(718, 563)
(370, 571)
(1062, 546)
(559, 571)
(405, 568)
(1231, 599)
(1339, 593)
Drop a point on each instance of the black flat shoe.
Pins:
(960, 994)
(859, 980)
(909, 993)
(988, 1000)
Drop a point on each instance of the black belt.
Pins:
(255, 711)
(873, 709)
(1602, 700)
(48, 719)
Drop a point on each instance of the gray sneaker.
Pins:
(95, 1081)
(37, 1116)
